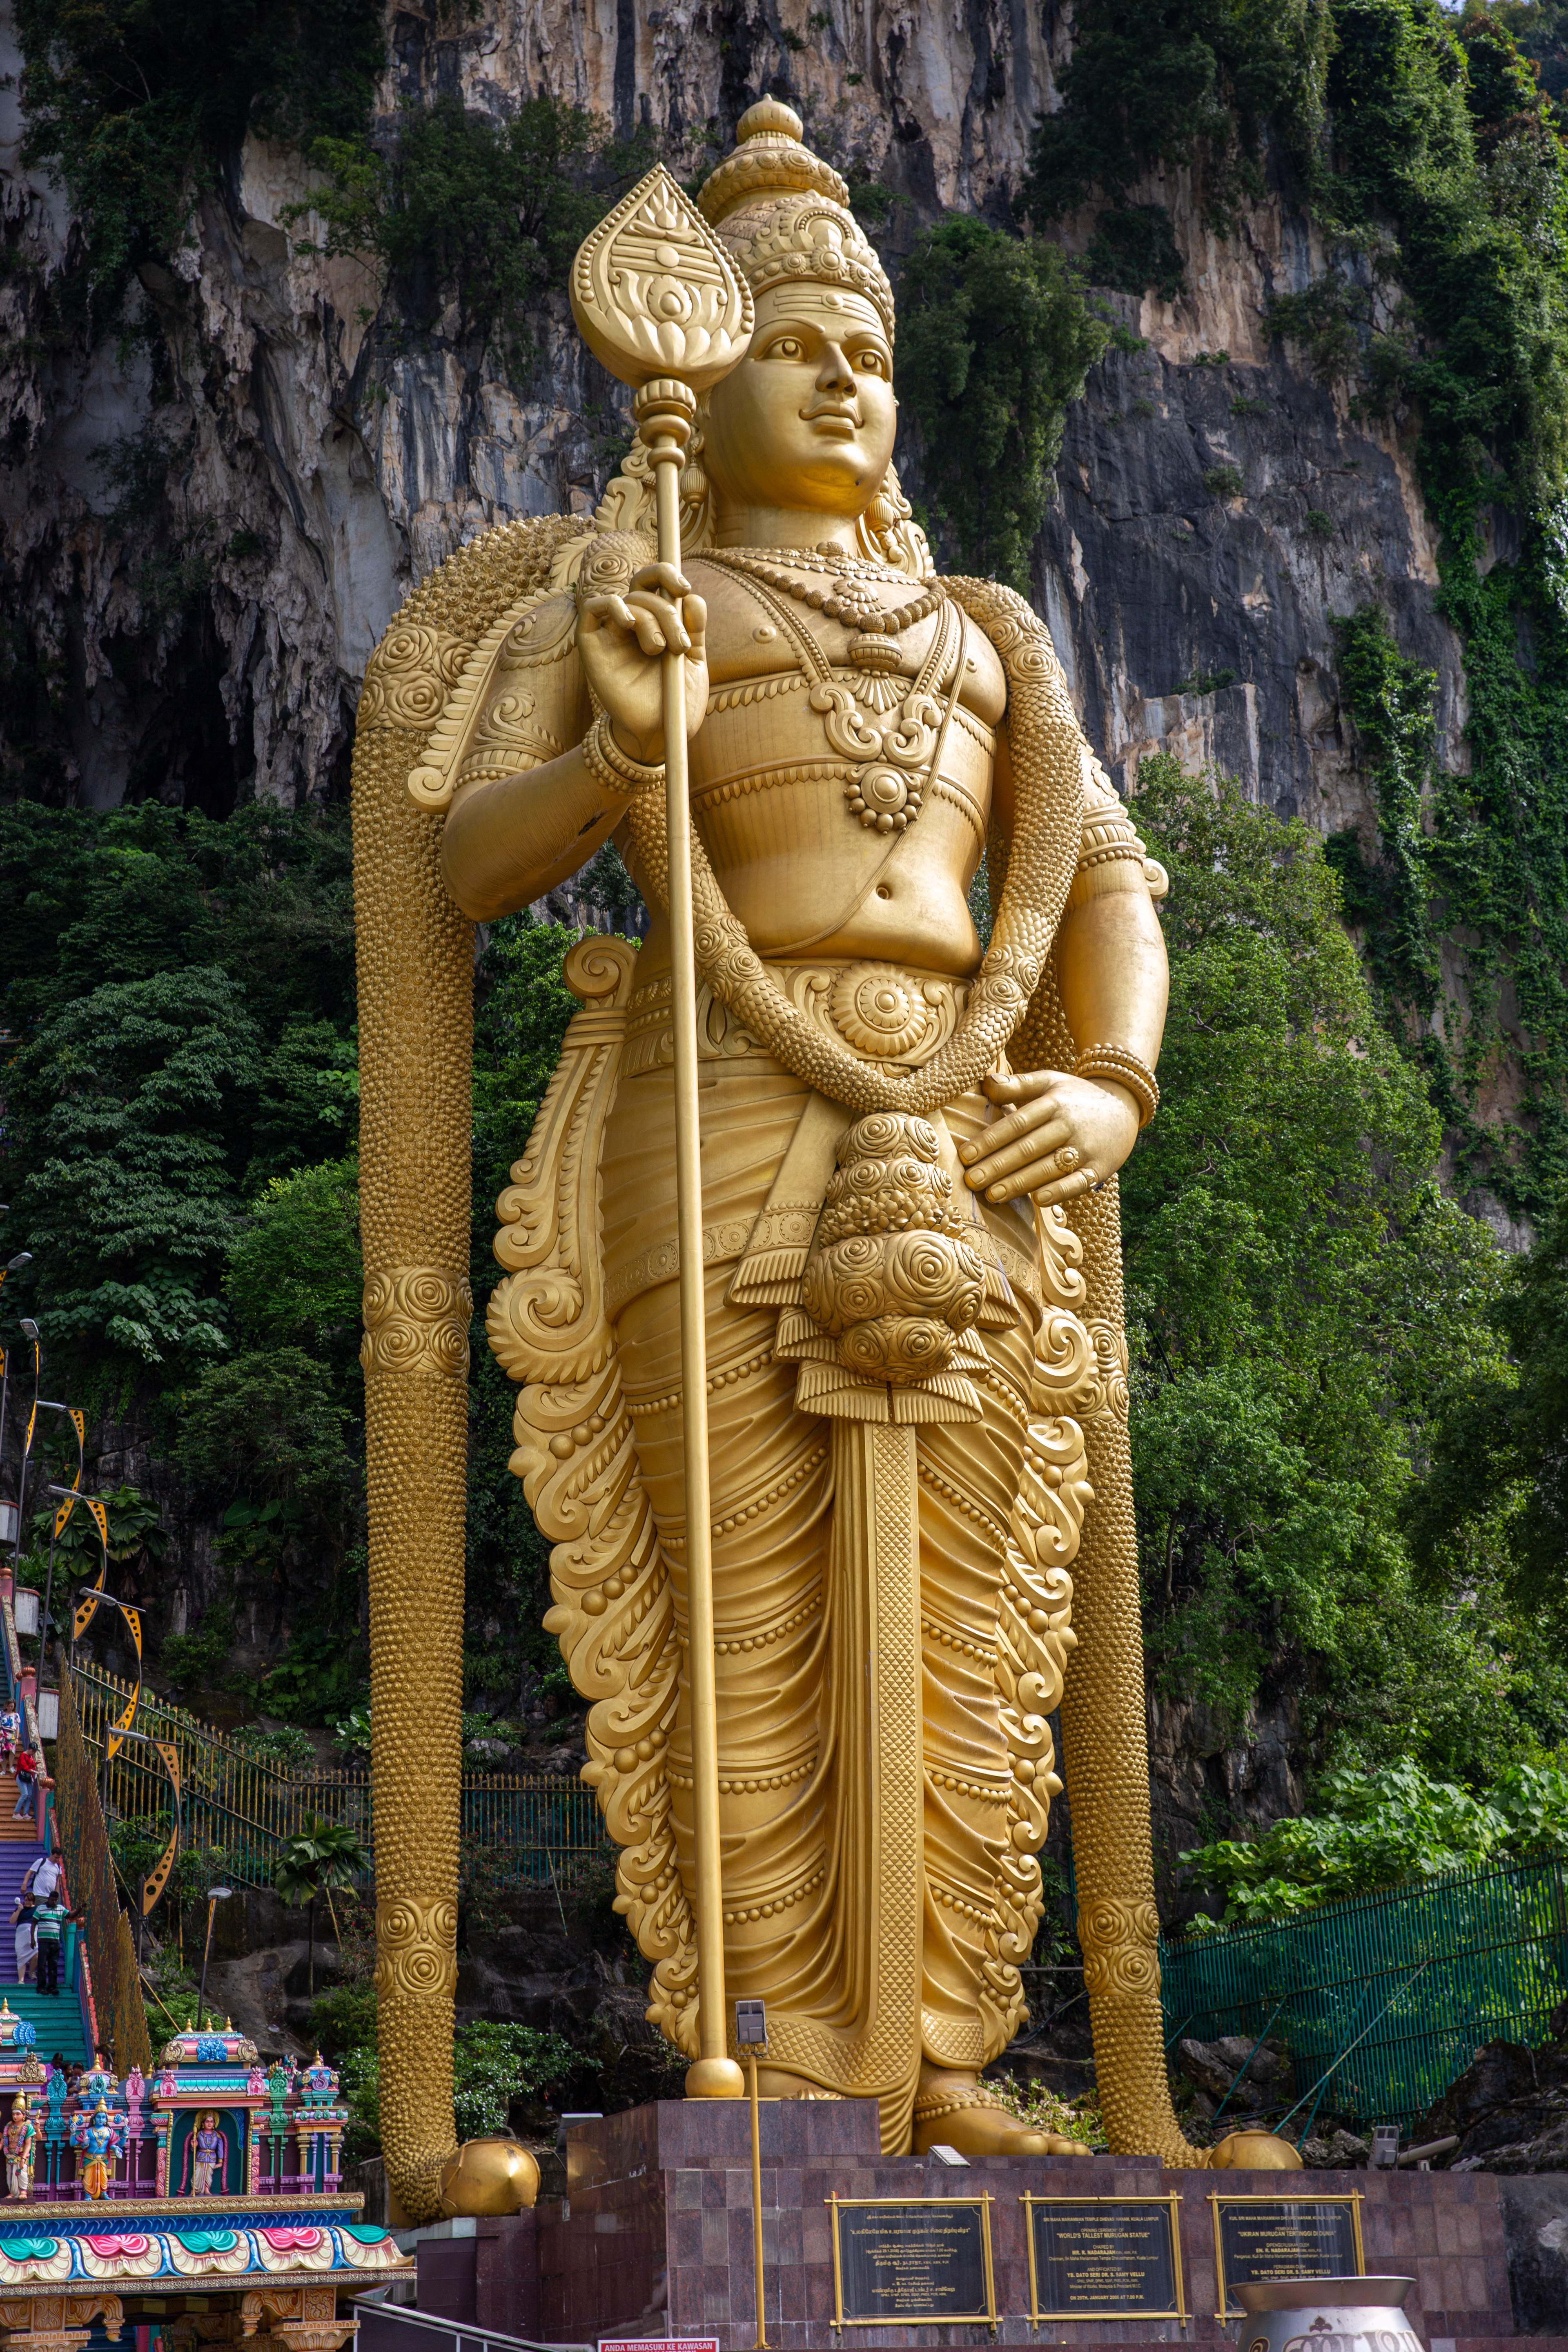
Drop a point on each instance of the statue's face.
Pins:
(808, 418)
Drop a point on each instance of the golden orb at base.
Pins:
(489, 2175)
(1254, 2151)
(715, 2078)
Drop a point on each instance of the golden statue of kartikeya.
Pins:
(916, 1371)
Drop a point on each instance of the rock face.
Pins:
(204, 574)
(201, 567)
(1509, 2110)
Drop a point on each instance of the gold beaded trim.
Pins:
(780, 1902)
(753, 1784)
(962, 1504)
(949, 2103)
(956, 1642)
(756, 690)
(616, 768)
(1132, 849)
(987, 1796)
(723, 1379)
(763, 780)
(754, 1510)
(770, 1634)
(1004, 1392)
(986, 1918)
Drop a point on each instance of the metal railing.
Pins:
(1383, 2001)
(120, 2013)
(519, 1829)
(393, 2327)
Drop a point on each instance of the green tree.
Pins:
(1494, 1497)
(1183, 83)
(1302, 1296)
(492, 210)
(295, 1274)
(126, 1104)
(1383, 1829)
(994, 343)
(321, 1855)
(135, 108)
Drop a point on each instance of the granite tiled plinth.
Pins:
(653, 2236)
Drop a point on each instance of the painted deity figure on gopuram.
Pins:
(916, 1386)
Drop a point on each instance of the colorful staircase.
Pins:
(57, 2021)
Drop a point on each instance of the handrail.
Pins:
(462, 2330)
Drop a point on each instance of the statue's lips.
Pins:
(837, 424)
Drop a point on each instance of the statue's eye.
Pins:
(788, 347)
(870, 362)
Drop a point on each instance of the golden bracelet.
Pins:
(615, 767)
(1114, 1062)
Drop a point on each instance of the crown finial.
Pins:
(769, 116)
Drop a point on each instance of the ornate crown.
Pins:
(784, 213)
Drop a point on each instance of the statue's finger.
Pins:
(599, 611)
(672, 629)
(1033, 1151)
(650, 636)
(667, 577)
(1021, 1086)
(1041, 1124)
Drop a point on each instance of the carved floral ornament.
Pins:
(410, 677)
(416, 1320)
(416, 1946)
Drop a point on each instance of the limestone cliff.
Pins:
(200, 553)
(205, 557)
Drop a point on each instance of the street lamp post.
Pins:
(215, 1894)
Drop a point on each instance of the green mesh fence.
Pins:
(1387, 1996)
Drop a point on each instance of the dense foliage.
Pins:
(138, 105)
(1383, 1829)
(494, 2067)
(181, 1102)
(1305, 1305)
(1432, 160)
(994, 340)
(1173, 82)
(490, 211)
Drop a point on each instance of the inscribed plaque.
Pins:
(1284, 2238)
(1104, 2258)
(916, 2259)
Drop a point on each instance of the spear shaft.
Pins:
(663, 411)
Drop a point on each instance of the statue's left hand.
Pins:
(1061, 1137)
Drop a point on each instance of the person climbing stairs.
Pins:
(56, 2018)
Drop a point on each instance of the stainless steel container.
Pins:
(1326, 2315)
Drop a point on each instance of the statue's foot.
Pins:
(954, 2110)
(773, 2082)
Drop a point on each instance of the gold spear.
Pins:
(658, 304)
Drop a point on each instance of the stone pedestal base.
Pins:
(653, 2236)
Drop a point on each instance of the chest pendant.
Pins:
(892, 732)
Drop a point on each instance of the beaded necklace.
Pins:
(852, 601)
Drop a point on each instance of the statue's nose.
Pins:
(834, 370)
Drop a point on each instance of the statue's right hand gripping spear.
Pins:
(657, 301)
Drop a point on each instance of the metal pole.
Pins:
(207, 1954)
(26, 1447)
(664, 410)
(762, 2344)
